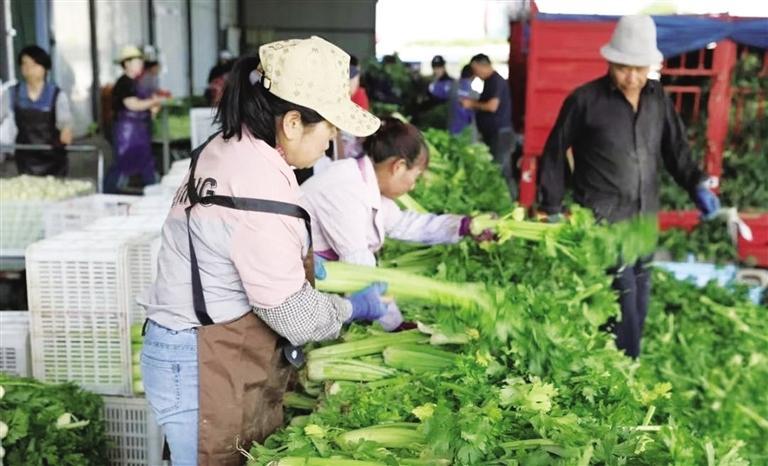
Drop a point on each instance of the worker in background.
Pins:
(459, 117)
(350, 145)
(352, 203)
(493, 113)
(620, 126)
(233, 298)
(131, 131)
(148, 81)
(439, 72)
(435, 101)
(381, 88)
(42, 115)
(359, 95)
(217, 77)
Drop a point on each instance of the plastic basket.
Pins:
(699, 273)
(14, 343)
(21, 222)
(137, 223)
(173, 180)
(153, 205)
(82, 289)
(202, 125)
(180, 167)
(136, 437)
(157, 190)
(73, 214)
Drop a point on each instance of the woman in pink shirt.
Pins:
(233, 301)
(352, 203)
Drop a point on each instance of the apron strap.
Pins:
(230, 202)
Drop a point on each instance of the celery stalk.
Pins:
(299, 401)
(396, 435)
(347, 278)
(366, 346)
(298, 461)
(319, 370)
(418, 358)
(408, 203)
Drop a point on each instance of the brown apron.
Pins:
(243, 365)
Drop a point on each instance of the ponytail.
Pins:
(249, 104)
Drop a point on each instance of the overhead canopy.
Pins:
(680, 34)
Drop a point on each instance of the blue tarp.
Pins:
(680, 34)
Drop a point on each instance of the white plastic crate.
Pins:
(201, 125)
(137, 223)
(180, 167)
(73, 214)
(21, 223)
(157, 189)
(173, 180)
(21, 220)
(136, 437)
(82, 289)
(153, 205)
(14, 343)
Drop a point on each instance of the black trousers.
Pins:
(502, 144)
(633, 284)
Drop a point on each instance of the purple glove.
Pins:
(367, 304)
(465, 229)
(392, 319)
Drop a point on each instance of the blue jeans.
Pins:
(169, 372)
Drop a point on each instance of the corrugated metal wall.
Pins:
(349, 24)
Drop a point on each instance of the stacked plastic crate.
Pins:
(14, 343)
(82, 288)
(74, 214)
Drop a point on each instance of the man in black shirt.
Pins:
(620, 127)
(494, 116)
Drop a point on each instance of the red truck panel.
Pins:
(562, 56)
(756, 250)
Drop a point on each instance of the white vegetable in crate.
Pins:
(26, 187)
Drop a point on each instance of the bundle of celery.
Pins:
(533, 379)
(405, 286)
(462, 177)
(50, 424)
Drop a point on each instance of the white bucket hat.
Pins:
(633, 42)
(129, 52)
(314, 73)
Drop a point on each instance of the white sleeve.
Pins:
(342, 221)
(63, 111)
(417, 227)
(6, 102)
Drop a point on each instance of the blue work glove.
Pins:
(320, 272)
(706, 201)
(367, 304)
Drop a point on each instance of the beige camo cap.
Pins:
(314, 73)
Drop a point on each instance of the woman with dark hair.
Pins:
(132, 130)
(42, 115)
(352, 202)
(233, 298)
